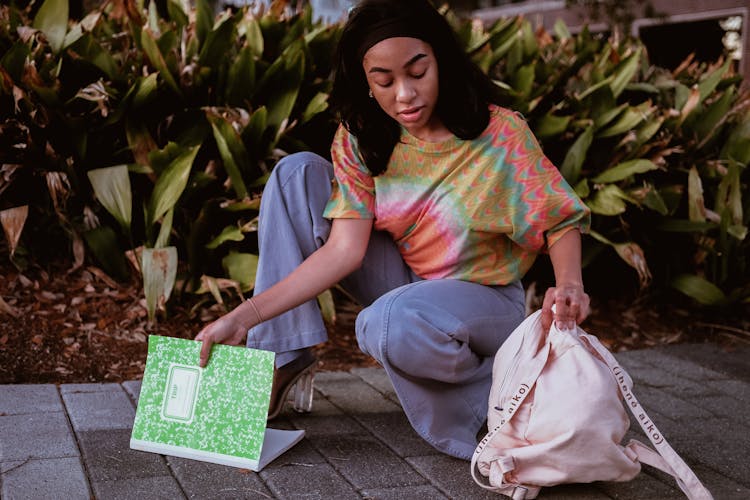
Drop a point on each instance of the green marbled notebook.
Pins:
(215, 414)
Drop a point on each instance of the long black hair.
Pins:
(464, 91)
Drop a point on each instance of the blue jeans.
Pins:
(436, 339)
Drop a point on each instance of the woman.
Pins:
(435, 206)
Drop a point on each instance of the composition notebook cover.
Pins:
(215, 414)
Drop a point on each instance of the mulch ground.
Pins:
(62, 327)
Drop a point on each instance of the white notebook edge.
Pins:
(275, 443)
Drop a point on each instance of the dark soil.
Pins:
(60, 327)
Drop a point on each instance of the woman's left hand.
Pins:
(571, 306)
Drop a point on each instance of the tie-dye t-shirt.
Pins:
(477, 210)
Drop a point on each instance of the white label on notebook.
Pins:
(181, 393)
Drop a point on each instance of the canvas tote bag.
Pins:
(556, 414)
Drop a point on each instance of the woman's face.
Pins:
(402, 73)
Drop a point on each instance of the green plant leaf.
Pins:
(696, 208)
(737, 146)
(604, 83)
(112, 189)
(102, 241)
(14, 62)
(710, 118)
(151, 48)
(608, 201)
(317, 104)
(628, 120)
(253, 135)
(609, 115)
(164, 231)
(523, 80)
(737, 231)
(625, 72)
(241, 267)
(233, 153)
(582, 189)
(507, 42)
(170, 185)
(576, 155)
(327, 307)
(159, 270)
(229, 233)
(177, 13)
(146, 90)
(204, 20)
(153, 17)
(79, 29)
(52, 20)
(281, 83)
(250, 28)
(241, 82)
(218, 43)
(528, 41)
(561, 30)
(699, 289)
(624, 170)
(646, 131)
(91, 51)
(551, 125)
(140, 142)
(710, 81)
(654, 201)
(729, 193)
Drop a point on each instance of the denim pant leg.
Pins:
(291, 227)
(437, 341)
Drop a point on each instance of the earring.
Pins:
(370, 93)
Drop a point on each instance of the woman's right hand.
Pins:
(226, 330)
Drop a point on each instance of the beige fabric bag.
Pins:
(556, 414)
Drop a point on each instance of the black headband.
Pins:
(390, 28)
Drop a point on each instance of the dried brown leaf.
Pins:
(13, 220)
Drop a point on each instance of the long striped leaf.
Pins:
(241, 267)
(159, 269)
(628, 120)
(696, 207)
(624, 170)
(151, 48)
(699, 289)
(112, 189)
(170, 185)
(737, 146)
(241, 82)
(609, 200)
(229, 233)
(52, 20)
(574, 158)
(709, 82)
(625, 72)
(551, 125)
(233, 153)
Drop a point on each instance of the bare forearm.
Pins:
(337, 258)
(570, 300)
(565, 255)
(320, 271)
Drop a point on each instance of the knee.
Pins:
(298, 165)
(387, 330)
